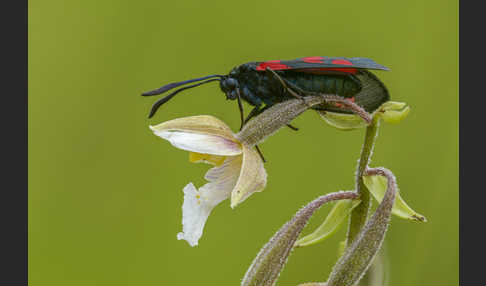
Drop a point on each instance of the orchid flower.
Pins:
(238, 170)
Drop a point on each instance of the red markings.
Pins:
(352, 99)
(274, 65)
(342, 62)
(313, 60)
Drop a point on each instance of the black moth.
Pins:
(271, 82)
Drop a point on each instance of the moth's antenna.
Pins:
(163, 100)
(176, 84)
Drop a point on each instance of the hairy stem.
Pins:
(360, 213)
(281, 114)
(358, 256)
(356, 109)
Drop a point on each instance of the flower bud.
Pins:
(393, 111)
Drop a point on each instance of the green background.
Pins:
(105, 194)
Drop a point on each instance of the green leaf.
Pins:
(331, 224)
(377, 186)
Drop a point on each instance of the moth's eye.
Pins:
(232, 95)
(231, 83)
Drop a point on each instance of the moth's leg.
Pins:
(285, 84)
(254, 112)
(240, 106)
(260, 153)
(293, 127)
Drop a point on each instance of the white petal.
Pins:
(200, 143)
(198, 204)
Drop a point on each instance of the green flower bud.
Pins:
(393, 111)
(390, 112)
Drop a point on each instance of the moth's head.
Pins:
(229, 86)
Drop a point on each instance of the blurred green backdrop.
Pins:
(105, 194)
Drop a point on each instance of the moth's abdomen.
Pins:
(342, 85)
(364, 88)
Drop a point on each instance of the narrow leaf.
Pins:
(331, 224)
(377, 186)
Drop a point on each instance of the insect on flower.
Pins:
(271, 82)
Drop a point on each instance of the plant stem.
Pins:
(360, 213)
(358, 256)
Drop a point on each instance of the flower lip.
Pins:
(198, 203)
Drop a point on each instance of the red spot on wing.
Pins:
(342, 62)
(274, 65)
(313, 60)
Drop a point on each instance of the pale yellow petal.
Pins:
(206, 158)
(253, 177)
